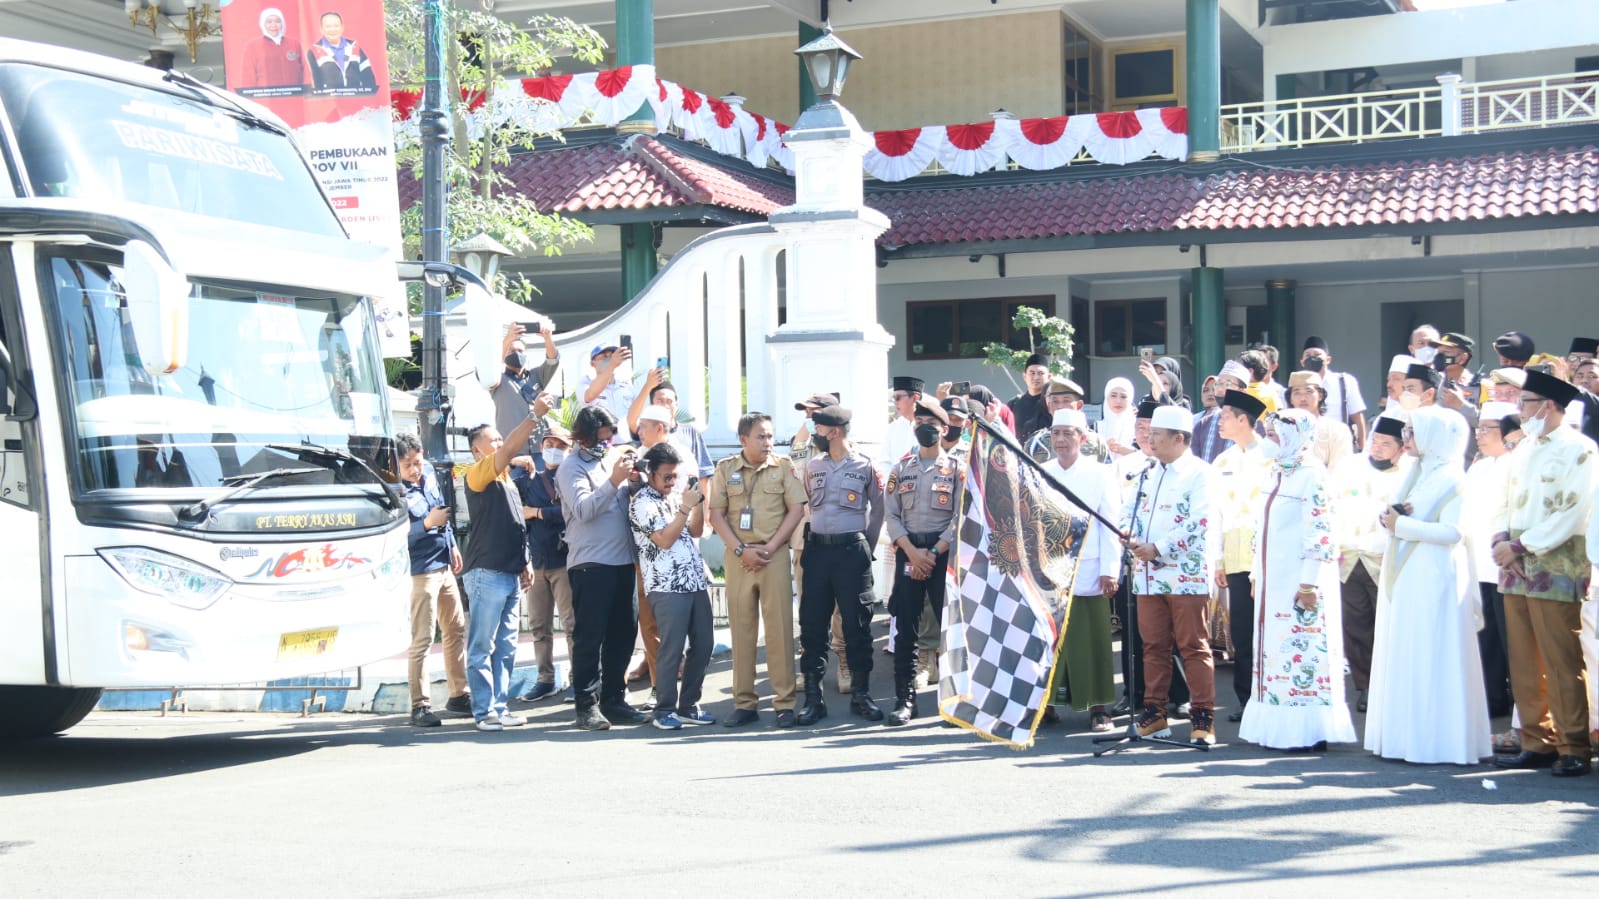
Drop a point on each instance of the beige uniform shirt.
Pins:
(755, 499)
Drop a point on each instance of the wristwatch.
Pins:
(739, 550)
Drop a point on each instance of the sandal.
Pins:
(1099, 722)
(1508, 742)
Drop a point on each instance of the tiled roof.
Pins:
(634, 172)
(1532, 182)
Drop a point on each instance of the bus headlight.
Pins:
(174, 578)
(396, 564)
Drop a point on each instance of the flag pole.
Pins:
(1009, 440)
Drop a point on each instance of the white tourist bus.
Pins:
(194, 487)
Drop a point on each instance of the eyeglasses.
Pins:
(1524, 402)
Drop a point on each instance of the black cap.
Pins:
(955, 404)
(913, 385)
(832, 416)
(1422, 373)
(925, 406)
(1393, 427)
(817, 401)
(1037, 359)
(1584, 345)
(1243, 402)
(1146, 408)
(1549, 387)
(1514, 345)
(1315, 343)
(1455, 340)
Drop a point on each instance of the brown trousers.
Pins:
(1166, 620)
(426, 590)
(1546, 674)
(648, 631)
(765, 597)
(551, 594)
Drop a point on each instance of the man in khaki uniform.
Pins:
(756, 502)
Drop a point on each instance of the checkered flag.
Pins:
(1005, 614)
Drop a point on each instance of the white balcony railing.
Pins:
(1447, 109)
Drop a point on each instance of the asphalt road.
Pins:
(359, 805)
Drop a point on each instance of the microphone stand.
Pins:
(1133, 656)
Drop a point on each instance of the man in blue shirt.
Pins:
(435, 561)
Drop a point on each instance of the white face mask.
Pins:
(1409, 401)
(1425, 354)
(1271, 449)
(554, 456)
(1534, 427)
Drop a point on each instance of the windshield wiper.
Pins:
(327, 456)
(199, 510)
(206, 91)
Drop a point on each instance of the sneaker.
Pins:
(459, 705)
(570, 695)
(1204, 728)
(491, 724)
(696, 715)
(422, 716)
(591, 719)
(667, 721)
(1152, 723)
(510, 720)
(540, 690)
(622, 713)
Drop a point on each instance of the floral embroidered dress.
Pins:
(1298, 697)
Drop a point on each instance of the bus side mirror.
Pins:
(158, 308)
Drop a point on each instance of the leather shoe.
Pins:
(1570, 766)
(741, 717)
(813, 711)
(861, 703)
(1236, 717)
(785, 717)
(1527, 759)
(622, 713)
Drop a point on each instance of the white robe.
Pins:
(1426, 703)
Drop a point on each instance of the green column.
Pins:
(638, 258)
(1204, 80)
(1280, 310)
(635, 46)
(807, 91)
(1210, 322)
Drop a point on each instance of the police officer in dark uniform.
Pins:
(846, 506)
(921, 524)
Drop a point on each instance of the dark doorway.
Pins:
(1399, 319)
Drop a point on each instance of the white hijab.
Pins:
(1118, 425)
(274, 11)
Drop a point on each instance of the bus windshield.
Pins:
(93, 138)
(264, 366)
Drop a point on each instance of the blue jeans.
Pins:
(491, 638)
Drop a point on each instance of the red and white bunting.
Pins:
(553, 102)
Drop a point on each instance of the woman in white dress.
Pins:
(1115, 425)
(1426, 702)
(1298, 700)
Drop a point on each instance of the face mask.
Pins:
(1442, 363)
(1271, 449)
(1315, 363)
(926, 435)
(953, 433)
(595, 453)
(1534, 427)
(1425, 354)
(1381, 465)
(516, 361)
(554, 457)
(1409, 401)
(821, 443)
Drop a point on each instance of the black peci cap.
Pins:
(1422, 373)
(1315, 343)
(1037, 359)
(1393, 427)
(912, 385)
(1549, 387)
(1584, 345)
(1146, 409)
(1243, 402)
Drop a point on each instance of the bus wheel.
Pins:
(42, 711)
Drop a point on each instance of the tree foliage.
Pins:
(1045, 334)
(483, 50)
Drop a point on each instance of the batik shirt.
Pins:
(676, 569)
(1549, 488)
(1174, 512)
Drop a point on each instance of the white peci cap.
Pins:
(1402, 363)
(1070, 418)
(1496, 411)
(653, 412)
(1173, 418)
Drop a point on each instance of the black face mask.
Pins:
(1381, 465)
(953, 433)
(1442, 363)
(926, 435)
(1315, 363)
(821, 443)
(516, 361)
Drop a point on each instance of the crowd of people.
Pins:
(1436, 550)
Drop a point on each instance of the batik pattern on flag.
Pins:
(1017, 550)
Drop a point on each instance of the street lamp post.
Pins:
(431, 404)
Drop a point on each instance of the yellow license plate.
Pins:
(301, 644)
